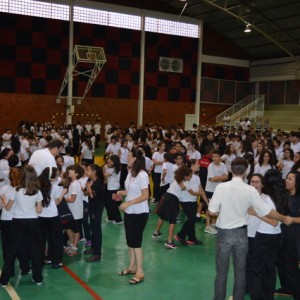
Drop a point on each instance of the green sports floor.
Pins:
(184, 273)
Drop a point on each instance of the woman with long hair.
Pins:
(25, 230)
(95, 192)
(262, 274)
(265, 162)
(288, 264)
(136, 212)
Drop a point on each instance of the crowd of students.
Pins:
(64, 200)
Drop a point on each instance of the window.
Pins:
(51, 10)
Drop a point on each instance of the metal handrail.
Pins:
(251, 107)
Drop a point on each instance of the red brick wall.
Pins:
(40, 108)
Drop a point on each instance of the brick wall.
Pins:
(40, 108)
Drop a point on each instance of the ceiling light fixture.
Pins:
(247, 28)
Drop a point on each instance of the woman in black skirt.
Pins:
(169, 207)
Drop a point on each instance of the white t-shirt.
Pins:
(194, 155)
(228, 160)
(169, 175)
(25, 205)
(193, 184)
(51, 210)
(42, 159)
(4, 172)
(113, 181)
(10, 193)
(86, 152)
(262, 169)
(287, 166)
(6, 139)
(212, 171)
(295, 147)
(24, 148)
(75, 207)
(114, 148)
(123, 155)
(148, 163)
(175, 189)
(83, 181)
(264, 227)
(68, 161)
(97, 128)
(232, 199)
(134, 187)
(159, 157)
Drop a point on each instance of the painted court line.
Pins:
(11, 292)
(82, 283)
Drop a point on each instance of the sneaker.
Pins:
(210, 230)
(88, 243)
(283, 292)
(170, 245)
(26, 272)
(156, 235)
(39, 283)
(178, 220)
(108, 220)
(117, 223)
(82, 240)
(195, 242)
(180, 240)
(73, 251)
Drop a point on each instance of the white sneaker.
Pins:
(118, 223)
(210, 230)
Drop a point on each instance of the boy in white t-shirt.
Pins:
(74, 198)
(216, 173)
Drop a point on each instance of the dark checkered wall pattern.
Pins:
(34, 57)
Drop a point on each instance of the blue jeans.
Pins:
(235, 242)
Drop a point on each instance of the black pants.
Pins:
(156, 186)
(97, 140)
(96, 219)
(51, 232)
(22, 231)
(86, 222)
(248, 261)
(262, 274)
(113, 207)
(123, 176)
(188, 228)
(291, 265)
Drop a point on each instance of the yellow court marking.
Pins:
(11, 291)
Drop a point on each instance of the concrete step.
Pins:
(286, 113)
(283, 107)
(284, 119)
(285, 126)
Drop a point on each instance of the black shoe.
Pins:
(93, 258)
(180, 240)
(89, 251)
(283, 292)
(195, 242)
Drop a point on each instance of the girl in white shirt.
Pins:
(265, 163)
(158, 160)
(169, 206)
(7, 215)
(49, 220)
(262, 275)
(287, 163)
(228, 157)
(136, 214)
(87, 152)
(167, 173)
(4, 167)
(188, 201)
(25, 230)
(112, 174)
(75, 203)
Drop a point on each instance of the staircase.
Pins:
(285, 117)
